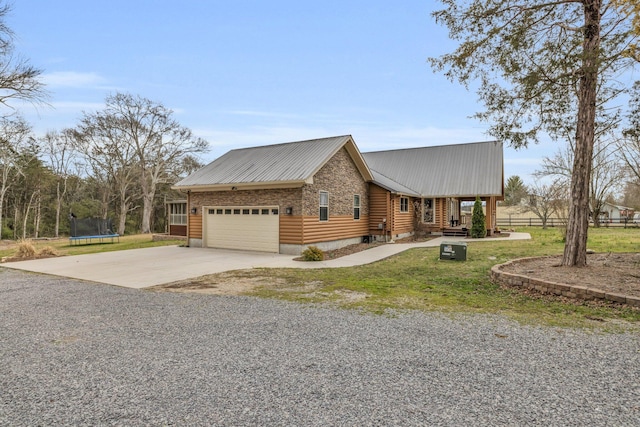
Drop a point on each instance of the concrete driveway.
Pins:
(141, 268)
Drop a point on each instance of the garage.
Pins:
(253, 228)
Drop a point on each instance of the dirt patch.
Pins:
(219, 284)
(617, 273)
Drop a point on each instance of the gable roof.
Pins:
(273, 166)
(475, 169)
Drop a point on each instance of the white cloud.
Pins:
(73, 79)
(74, 106)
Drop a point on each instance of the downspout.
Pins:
(188, 216)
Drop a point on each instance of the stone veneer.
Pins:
(341, 178)
(286, 197)
(547, 287)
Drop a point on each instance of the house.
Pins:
(325, 192)
(614, 213)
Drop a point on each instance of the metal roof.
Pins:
(441, 171)
(294, 163)
(391, 185)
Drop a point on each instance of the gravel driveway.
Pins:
(77, 353)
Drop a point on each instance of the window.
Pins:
(265, 211)
(324, 206)
(178, 214)
(356, 206)
(255, 211)
(245, 211)
(428, 211)
(404, 204)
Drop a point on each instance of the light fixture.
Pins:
(288, 211)
(234, 188)
(194, 211)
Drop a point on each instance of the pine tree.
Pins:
(478, 227)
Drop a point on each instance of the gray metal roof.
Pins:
(441, 171)
(290, 162)
(391, 185)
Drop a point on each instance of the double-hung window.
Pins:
(356, 206)
(404, 204)
(324, 206)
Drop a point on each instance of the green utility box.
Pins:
(453, 250)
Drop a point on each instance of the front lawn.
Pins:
(417, 279)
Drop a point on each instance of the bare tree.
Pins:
(606, 175)
(158, 142)
(15, 136)
(546, 200)
(109, 157)
(58, 146)
(18, 79)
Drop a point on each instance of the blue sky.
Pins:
(245, 72)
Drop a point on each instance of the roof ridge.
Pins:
(291, 142)
(433, 146)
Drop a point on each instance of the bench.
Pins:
(87, 240)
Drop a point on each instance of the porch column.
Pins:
(490, 217)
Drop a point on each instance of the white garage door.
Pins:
(253, 228)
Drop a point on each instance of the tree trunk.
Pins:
(1, 211)
(122, 223)
(575, 249)
(26, 216)
(15, 222)
(58, 208)
(147, 210)
(37, 216)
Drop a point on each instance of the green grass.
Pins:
(62, 246)
(418, 280)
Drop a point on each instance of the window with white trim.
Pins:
(404, 204)
(356, 206)
(324, 206)
(178, 214)
(428, 211)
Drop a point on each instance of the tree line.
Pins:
(117, 163)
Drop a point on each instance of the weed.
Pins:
(25, 249)
(47, 251)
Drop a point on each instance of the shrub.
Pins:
(478, 227)
(312, 253)
(25, 249)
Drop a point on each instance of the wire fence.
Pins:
(560, 222)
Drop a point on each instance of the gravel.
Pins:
(78, 353)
